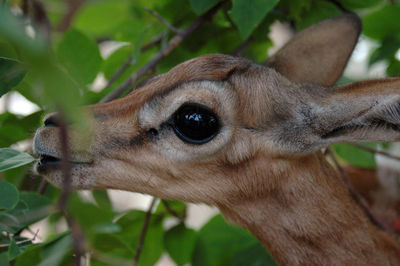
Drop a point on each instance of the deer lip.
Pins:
(49, 160)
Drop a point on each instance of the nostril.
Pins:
(51, 121)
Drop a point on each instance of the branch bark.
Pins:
(22, 241)
(171, 46)
(164, 21)
(172, 211)
(144, 232)
(76, 232)
(128, 61)
(72, 9)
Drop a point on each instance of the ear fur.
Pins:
(318, 54)
(359, 111)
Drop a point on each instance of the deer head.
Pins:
(219, 128)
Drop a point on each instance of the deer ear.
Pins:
(318, 54)
(360, 111)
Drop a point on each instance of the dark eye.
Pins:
(195, 123)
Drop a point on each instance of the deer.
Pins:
(247, 138)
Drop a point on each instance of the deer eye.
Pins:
(195, 123)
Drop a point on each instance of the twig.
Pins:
(41, 19)
(164, 21)
(362, 202)
(22, 241)
(119, 72)
(156, 41)
(172, 44)
(42, 186)
(78, 240)
(72, 9)
(77, 235)
(239, 50)
(66, 166)
(25, 7)
(143, 232)
(339, 5)
(35, 235)
(109, 260)
(128, 62)
(372, 150)
(172, 211)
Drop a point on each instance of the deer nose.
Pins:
(52, 120)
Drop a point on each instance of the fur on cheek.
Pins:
(81, 178)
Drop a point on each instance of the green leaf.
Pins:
(318, 11)
(386, 51)
(4, 259)
(355, 156)
(10, 158)
(15, 128)
(217, 243)
(34, 200)
(253, 255)
(112, 13)
(7, 51)
(112, 246)
(54, 252)
(393, 69)
(180, 241)
(132, 224)
(30, 257)
(9, 195)
(13, 249)
(382, 23)
(31, 208)
(295, 8)
(202, 6)
(179, 207)
(84, 212)
(102, 199)
(248, 14)
(358, 4)
(80, 55)
(11, 73)
(116, 60)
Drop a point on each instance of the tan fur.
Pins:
(263, 168)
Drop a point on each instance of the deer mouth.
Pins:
(46, 162)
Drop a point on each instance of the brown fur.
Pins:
(384, 204)
(263, 168)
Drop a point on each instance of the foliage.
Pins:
(57, 71)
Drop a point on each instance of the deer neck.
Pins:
(310, 218)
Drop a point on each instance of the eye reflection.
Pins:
(195, 123)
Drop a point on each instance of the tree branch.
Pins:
(128, 61)
(65, 164)
(42, 186)
(37, 12)
(339, 5)
(156, 41)
(76, 233)
(72, 9)
(164, 21)
(172, 211)
(22, 241)
(375, 151)
(362, 202)
(143, 232)
(239, 50)
(172, 45)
